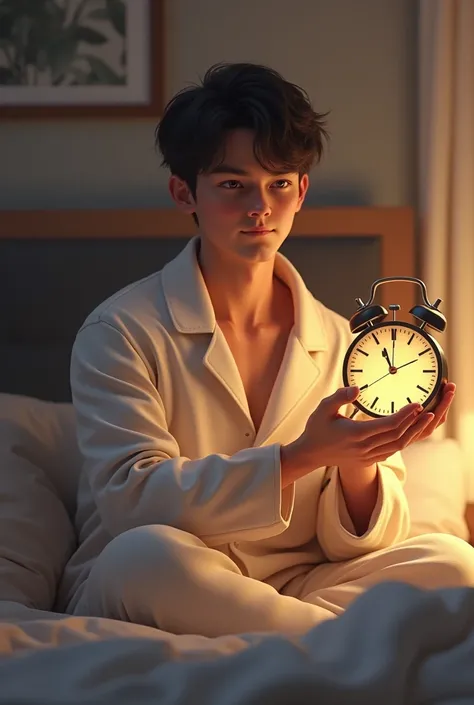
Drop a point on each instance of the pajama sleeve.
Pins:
(133, 463)
(389, 523)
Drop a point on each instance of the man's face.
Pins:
(240, 195)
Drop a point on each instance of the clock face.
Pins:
(393, 364)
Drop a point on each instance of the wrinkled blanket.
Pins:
(396, 644)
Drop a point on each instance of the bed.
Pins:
(55, 266)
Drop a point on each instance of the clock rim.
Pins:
(438, 350)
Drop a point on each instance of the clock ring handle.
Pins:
(427, 313)
(414, 280)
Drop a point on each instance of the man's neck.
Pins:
(244, 295)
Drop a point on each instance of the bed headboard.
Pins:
(56, 266)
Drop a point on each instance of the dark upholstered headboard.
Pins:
(56, 266)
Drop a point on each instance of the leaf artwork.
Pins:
(63, 42)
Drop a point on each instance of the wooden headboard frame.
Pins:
(393, 226)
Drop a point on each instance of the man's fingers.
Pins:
(441, 411)
(446, 402)
(440, 416)
(382, 452)
(443, 418)
(421, 424)
(393, 434)
(386, 424)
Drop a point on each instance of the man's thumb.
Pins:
(342, 396)
(351, 393)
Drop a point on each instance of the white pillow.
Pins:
(436, 487)
(39, 464)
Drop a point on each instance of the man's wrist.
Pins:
(356, 475)
(294, 463)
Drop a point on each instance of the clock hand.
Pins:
(393, 351)
(378, 380)
(407, 363)
(385, 355)
(389, 373)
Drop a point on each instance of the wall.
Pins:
(356, 58)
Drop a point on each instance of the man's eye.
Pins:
(230, 184)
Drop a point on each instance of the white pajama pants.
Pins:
(163, 577)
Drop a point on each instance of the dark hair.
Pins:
(289, 134)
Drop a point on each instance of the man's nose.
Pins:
(259, 207)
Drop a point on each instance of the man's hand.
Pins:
(332, 439)
(440, 413)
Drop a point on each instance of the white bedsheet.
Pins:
(396, 644)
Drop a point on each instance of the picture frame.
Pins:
(76, 59)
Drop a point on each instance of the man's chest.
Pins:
(225, 392)
(258, 358)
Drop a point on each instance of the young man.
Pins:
(225, 489)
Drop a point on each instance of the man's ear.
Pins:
(181, 194)
(303, 189)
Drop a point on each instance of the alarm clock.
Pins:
(393, 362)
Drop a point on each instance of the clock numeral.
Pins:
(424, 352)
(357, 370)
(364, 387)
(375, 338)
(411, 338)
(409, 400)
(393, 407)
(422, 389)
(374, 402)
(363, 352)
(430, 371)
(394, 333)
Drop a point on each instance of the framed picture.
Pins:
(81, 58)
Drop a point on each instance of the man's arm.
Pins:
(133, 463)
(356, 514)
(362, 506)
(360, 489)
(340, 534)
